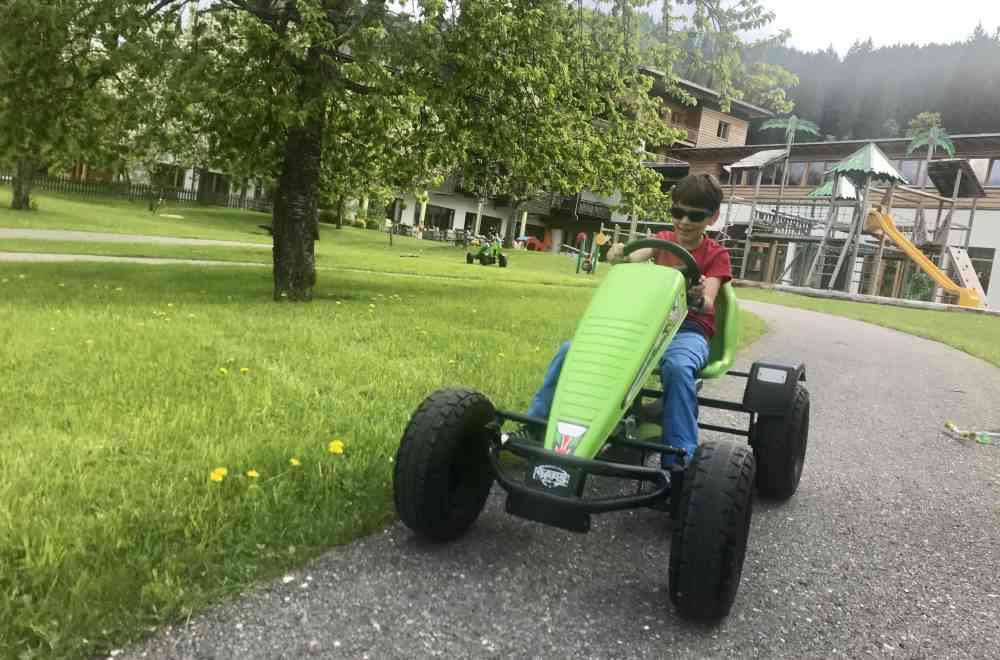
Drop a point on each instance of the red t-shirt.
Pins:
(713, 261)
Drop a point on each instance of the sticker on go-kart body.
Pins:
(551, 476)
(768, 375)
(568, 435)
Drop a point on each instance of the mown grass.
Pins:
(123, 217)
(349, 247)
(976, 334)
(125, 386)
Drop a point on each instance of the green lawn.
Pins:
(126, 386)
(352, 248)
(123, 217)
(976, 334)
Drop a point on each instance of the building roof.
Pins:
(741, 108)
(944, 171)
(845, 190)
(834, 149)
(868, 161)
(758, 160)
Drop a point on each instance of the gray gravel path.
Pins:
(889, 549)
(102, 237)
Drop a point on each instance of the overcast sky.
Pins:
(816, 25)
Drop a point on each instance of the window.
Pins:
(724, 176)
(723, 131)
(909, 169)
(981, 166)
(796, 173)
(767, 176)
(994, 179)
(815, 175)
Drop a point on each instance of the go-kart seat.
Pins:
(722, 347)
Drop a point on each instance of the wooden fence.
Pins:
(141, 192)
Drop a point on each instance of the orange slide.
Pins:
(877, 223)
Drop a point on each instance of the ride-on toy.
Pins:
(605, 424)
(488, 254)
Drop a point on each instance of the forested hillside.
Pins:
(873, 92)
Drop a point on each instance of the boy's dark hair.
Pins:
(700, 191)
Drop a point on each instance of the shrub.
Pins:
(371, 223)
(328, 216)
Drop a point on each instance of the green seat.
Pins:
(722, 348)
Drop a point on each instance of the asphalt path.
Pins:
(105, 237)
(890, 548)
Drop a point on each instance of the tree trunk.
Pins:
(340, 212)
(24, 177)
(294, 222)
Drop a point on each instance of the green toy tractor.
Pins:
(489, 253)
(605, 426)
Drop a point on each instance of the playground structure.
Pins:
(865, 230)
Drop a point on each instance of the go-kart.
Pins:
(605, 425)
(489, 253)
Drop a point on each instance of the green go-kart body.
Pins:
(490, 253)
(605, 424)
(618, 345)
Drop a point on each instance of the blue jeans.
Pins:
(683, 360)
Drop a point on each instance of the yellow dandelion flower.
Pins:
(223, 371)
(218, 474)
(62, 285)
(295, 462)
(244, 371)
(253, 474)
(336, 446)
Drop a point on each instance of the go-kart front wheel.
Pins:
(502, 260)
(711, 524)
(443, 474)
(780, 448)
(469, 258)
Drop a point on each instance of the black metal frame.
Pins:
(573, 512)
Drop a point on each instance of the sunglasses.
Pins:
(694, 216)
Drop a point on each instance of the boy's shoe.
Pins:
(527, 433)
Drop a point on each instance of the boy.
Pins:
(696, 202)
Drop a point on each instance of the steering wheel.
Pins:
(690, 269)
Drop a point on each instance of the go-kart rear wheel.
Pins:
(469, 259)
(711, 524)
(780, 448)
(502, 260)
(443, 474)
(485, 259)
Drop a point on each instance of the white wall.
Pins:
(458, 203)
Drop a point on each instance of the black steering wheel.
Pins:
(690, 270)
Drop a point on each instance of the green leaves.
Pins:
(933, 138)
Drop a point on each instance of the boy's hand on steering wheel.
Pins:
(616, 253)
(696, 295)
